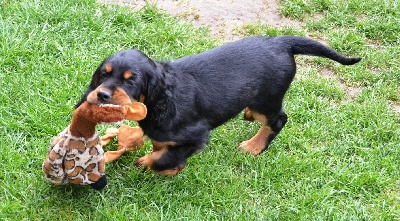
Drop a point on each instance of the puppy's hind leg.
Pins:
(270, 127)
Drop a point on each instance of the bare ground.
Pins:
(221, 16)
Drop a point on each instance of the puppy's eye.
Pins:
(129, 81)
(103, 75)
(106, 71)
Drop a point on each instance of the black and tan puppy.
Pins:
(189, 97)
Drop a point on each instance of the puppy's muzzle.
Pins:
(104, 96)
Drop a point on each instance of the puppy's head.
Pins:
(125, 72)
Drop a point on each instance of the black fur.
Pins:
(189, 97)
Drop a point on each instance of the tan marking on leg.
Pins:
(171, 172)
(248, 114)
(148, 160)
(159, 148)
(257, 143)
(141, 98)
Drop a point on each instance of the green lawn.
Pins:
(338, 158)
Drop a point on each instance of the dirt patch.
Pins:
(327, 73)
(221, 16)
(353, 91)
(396, 108)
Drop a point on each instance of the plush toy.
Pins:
(129, 139)
(76, 155)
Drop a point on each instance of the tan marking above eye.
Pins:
(128, 74)
(108, 68)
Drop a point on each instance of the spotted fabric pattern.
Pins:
(74, 160)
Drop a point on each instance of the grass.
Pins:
(337, 158)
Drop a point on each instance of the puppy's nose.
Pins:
(104, 96)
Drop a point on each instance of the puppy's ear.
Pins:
(156, 86)
(158, 96)
(95, 82)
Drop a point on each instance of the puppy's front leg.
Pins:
(163, 160)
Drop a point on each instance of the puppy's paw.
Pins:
(147, 162)
(253, 147)
(171, 172)
(143, 162)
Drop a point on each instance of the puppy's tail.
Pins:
(306, 46)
